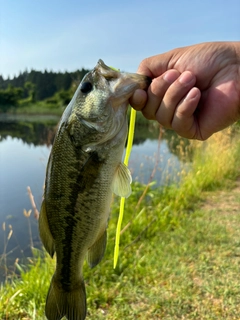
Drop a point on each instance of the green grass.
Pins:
(23, 296)
(47, 107)
(39, 108)
(177, 261)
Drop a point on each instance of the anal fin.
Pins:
(44, 231)
(96, 251)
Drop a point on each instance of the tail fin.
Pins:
(71, 304)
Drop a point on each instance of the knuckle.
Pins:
(143, 68)
(147, 115)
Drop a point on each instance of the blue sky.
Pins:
(68, 34)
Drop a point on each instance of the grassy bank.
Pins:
(43, 108)
(177, 261)
(39, 108)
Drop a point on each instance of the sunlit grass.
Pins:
(22, 297)
(39, 108)
(173, 264)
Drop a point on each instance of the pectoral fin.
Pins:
(96, 251)
(45, 233)
(122, 181)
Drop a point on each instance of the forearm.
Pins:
(236, 46)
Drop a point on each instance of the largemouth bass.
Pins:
(84, 169)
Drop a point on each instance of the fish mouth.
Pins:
(107, 72)
(121, 84)
(111, 73)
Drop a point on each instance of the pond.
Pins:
(25, 144)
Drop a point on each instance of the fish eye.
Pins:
(86, 87)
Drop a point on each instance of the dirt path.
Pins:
(226, 205)
(226, 201)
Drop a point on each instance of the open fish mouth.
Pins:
(111, 73)
(121, 84)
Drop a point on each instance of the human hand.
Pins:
(195, 90)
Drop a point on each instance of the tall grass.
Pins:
(136, 289)
(23, 296)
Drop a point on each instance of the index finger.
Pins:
(156, 65)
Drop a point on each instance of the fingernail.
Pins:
(186, 77)
(170, 76)
(192, 94)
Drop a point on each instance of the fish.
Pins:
(84, 170)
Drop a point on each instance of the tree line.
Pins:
(37, 86)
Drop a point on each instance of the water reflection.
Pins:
(36, 130)
(145, 157)
(21, 165)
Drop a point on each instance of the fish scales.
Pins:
(70, 204)
(83, 171)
